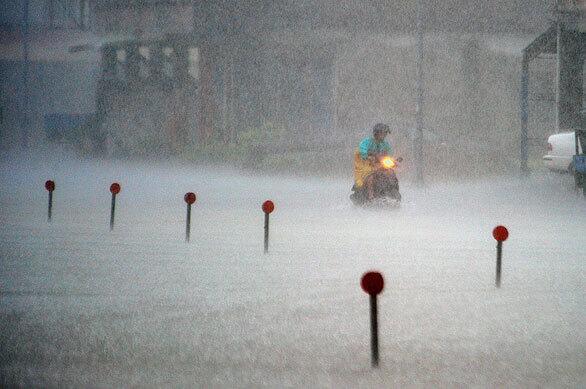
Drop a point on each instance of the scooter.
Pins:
(386, 185)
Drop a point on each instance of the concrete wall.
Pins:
(141, 21)
(54, 87)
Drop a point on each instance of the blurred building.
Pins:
(44, 67)
(565, 42)
(163, 72)
(148, 93)
(332, 69)
(50, 61)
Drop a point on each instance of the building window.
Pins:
(121, 65)
(193, 62)
(143, 63)
(168, 62)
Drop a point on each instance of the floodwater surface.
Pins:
(83, 306)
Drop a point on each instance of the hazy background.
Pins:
(275, 85)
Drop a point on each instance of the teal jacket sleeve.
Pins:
(364, 147)
(387, 148)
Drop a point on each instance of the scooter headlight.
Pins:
(388, 163)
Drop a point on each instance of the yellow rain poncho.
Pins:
(362, 166)
(362, 169)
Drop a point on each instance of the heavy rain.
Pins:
(480, 107)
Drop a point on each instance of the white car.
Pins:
(560, 150)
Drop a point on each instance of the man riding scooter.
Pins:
(373, 168)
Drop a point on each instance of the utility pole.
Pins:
(24, 135)
(418, 139)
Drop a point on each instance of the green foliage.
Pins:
(266, 135)
(252, 149)
(213, 152)
(255, 145)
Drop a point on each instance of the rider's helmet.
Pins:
(380, 128)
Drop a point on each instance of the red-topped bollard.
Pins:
(189, 199)
(500, 234)
(373, 283)
(114, 189)
(50, 187)
(267, 207)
